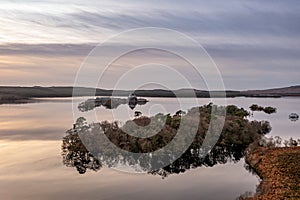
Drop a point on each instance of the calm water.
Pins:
(31, 163)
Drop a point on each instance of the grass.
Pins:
(279, 169)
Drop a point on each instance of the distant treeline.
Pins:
(43, 92)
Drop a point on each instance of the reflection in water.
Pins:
(76, 155)
(220, 154)
(236, 136)
(294, 117)
(31, 136)
(110, 103)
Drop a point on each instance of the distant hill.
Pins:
(9, 94)
(286, 91)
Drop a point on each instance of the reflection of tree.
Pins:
(109, 103)
(76, 155)
(220, 154)
(236, 136)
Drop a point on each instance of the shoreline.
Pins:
(7, 99)
(279, 170)
(11, 94)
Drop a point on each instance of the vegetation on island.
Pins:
(109, 103)
(237, 134)
(268, 109)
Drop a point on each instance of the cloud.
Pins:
(46, 49)
(81, 21)
(246, 39)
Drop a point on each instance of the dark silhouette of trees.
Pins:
(238, 133)
(268, 109)
(109, 103)
(74, 152)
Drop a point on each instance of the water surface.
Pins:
(31, 164)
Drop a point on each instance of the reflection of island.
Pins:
(76, 155)
(110, 103)
(236, 136)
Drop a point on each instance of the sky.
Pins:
(255, 44)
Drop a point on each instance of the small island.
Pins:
(111, 103)
(238, 133)
(268, 109)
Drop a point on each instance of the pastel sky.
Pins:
(255, 44)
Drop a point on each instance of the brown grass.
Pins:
(279, 169)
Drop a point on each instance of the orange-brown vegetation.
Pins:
(279, 169)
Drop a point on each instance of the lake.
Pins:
(32, 168)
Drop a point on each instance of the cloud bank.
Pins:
(254, 43)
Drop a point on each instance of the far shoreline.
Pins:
(17, 94)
